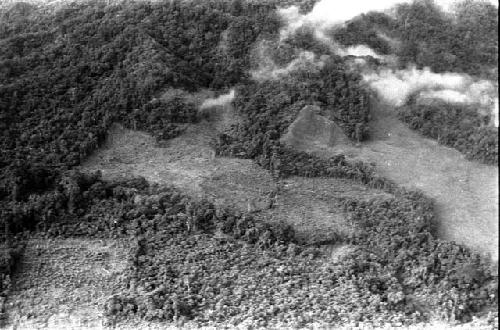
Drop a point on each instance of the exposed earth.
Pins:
(188, 162)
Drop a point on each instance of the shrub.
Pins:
(457, 126)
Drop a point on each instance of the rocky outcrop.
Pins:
(312, 128)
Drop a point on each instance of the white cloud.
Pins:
(221, 100)
(396, 86)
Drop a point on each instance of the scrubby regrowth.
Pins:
(68, 73)
(194, 261)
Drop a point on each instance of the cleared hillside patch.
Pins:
(189, 163)
(311, 206)
(465, 192)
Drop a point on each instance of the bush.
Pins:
(457, 126)
(397, 236)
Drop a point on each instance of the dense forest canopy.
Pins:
(464, 40)
(93, 64)
(67, 73)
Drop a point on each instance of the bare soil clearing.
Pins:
(188, 162)
(465, 192)
(310, 206)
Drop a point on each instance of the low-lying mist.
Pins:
(396, 86)
(221, 100)
(391, 83)
(269, 70)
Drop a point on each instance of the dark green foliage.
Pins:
(466, 43)
(164, 117)
(269, 107)
(186, 253)
(20, 180)
(303, 164)
(464, 40)
(457, 126)
(304, 39)
(66, 76)
(232, 59)
(10, 252)
(365, 30)
(96, 208)
(397, 236)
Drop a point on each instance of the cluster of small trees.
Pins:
(397, 236)
(270, 106)
(165, 118)
(366, 30)
(464, 41)
(458, 126)
(188, 269)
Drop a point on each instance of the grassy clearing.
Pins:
(465, 192)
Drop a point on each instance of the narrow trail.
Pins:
(465, 192)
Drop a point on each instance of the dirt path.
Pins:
(465, 192)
